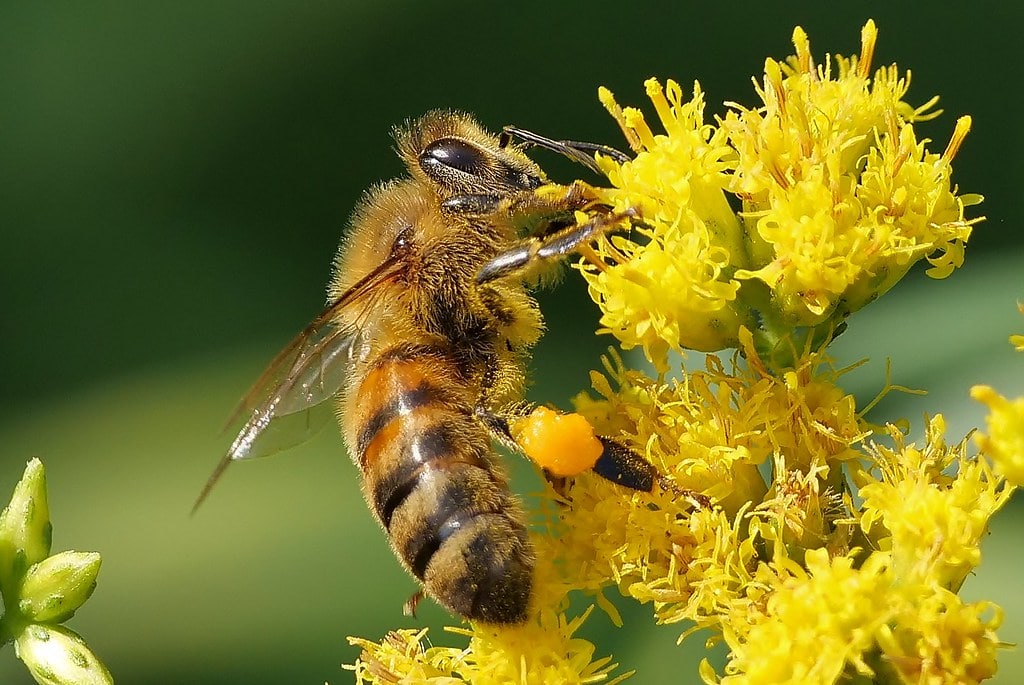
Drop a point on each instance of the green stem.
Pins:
(778, 341)
(11, 625)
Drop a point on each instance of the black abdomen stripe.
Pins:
(438, 529)
(420, 454)
(448, 500)
(404, 402)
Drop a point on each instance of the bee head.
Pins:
(454, 154)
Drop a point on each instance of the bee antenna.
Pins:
(578, 151)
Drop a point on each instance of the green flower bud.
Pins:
(58, 656)
(55, 587)
(24, 527)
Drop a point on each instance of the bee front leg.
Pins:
(478, 204)
(530, 209)
(555, 245)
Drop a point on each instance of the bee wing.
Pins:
(288, 402)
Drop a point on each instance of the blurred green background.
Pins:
(174, 178)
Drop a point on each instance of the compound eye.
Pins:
(455, 154)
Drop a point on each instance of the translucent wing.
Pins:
(282, 407)
(288, 402)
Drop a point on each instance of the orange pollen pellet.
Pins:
(564, 444)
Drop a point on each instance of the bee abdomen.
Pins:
(431, 479)
(461, 534)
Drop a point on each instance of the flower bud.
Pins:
(54, 588)
(24, 526)
(58, 656)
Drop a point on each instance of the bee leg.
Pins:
(409, 608)
(473, 205)
(623, 466)
(617, 463)
(548, 212)
(551, 246)
(497, 425)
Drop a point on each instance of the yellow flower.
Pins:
(840, 198)
(545, 650)
(838, 620)
(937, 638)
(710, 433)
(676, 290)
(1005, 441)
(401, 656)
(933, 504)
(1018, 340)
(538, 653)
(816, 623)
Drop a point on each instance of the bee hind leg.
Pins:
(616, 463)
(623, 466)
(409, 608)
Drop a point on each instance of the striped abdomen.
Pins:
(430, 477)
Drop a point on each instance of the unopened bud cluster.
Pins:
(41, 591)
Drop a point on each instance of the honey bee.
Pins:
(424, 344)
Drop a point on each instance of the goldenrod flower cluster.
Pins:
(831, 549)
(837, 195)
(1005, 442)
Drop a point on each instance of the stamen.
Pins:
(963, 126)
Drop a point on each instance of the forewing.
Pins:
(288, 403)
(282, 408)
